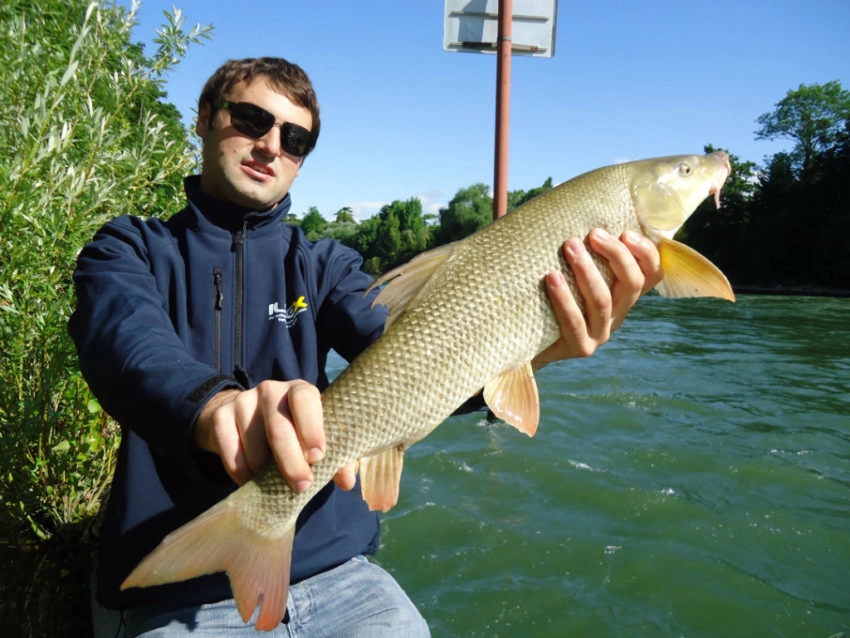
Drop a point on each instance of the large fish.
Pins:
(463, 317)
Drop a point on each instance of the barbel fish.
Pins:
(465, 317)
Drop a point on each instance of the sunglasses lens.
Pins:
(294, 139)
(250, 119)
(253, 121)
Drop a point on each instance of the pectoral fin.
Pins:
(512, 396)
(689, 274)
(380, 475)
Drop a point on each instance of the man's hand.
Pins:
(636, 266)
(280, 419)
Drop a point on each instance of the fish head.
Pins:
(667, 190)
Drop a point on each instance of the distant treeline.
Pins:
(784, 226)
(400, 230)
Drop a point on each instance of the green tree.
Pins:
(519, 197)
(831, 194)
(364, 242)
(469, 210)
(394, 235)
(84, 136)
(389, 241)
(343, 228)
(812, 116)
(802, 222)
(777, 229)
(345, 216)
(414, 233)
(313, 224)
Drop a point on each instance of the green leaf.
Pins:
(69, 73)
(61, 447)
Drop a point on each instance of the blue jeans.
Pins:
(355, 600)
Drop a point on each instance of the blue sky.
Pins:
(403, 118)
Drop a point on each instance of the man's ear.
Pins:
(203, 125)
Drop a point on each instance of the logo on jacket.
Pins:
(287, 315)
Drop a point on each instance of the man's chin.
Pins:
(256, 201)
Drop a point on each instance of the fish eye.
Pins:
(684, 169)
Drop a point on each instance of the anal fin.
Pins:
(380, 476)
(512, 396)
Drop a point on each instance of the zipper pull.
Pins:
(219, 292)
(242, 377)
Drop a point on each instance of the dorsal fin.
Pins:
(689, 274)
(407, 280)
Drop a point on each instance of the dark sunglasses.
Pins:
(254, 121)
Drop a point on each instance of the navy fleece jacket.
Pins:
(171, 312)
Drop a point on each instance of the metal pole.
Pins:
(503, 108)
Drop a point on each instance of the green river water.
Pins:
(692, 478)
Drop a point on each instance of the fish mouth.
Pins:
(714, 188)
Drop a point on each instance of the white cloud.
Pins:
(432, 202)
(364, 210)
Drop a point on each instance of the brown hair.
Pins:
(287, 78)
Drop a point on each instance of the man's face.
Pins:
(254, 173)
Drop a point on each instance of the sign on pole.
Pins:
(503, 27)
(473, 26)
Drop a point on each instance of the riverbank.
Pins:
(793, 291)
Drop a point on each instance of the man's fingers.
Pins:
(254, 448)
(628, 279)
(305, 406)
(646, 254)
(635, 268)
(346, 478)
(576, 340)
(294, 430)
(275, 419)
(228, 445)
(567, 311)
(594, 291)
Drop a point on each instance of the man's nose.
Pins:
(270, 142)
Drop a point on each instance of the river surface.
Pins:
(692, 478)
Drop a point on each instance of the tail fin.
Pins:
(258, 566)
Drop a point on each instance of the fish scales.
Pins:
(494, 284)
(461, 317)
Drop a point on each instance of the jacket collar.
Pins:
(227, 215)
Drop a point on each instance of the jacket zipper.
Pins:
(238, 369)
(218, 305)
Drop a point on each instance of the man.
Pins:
(206, 337)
